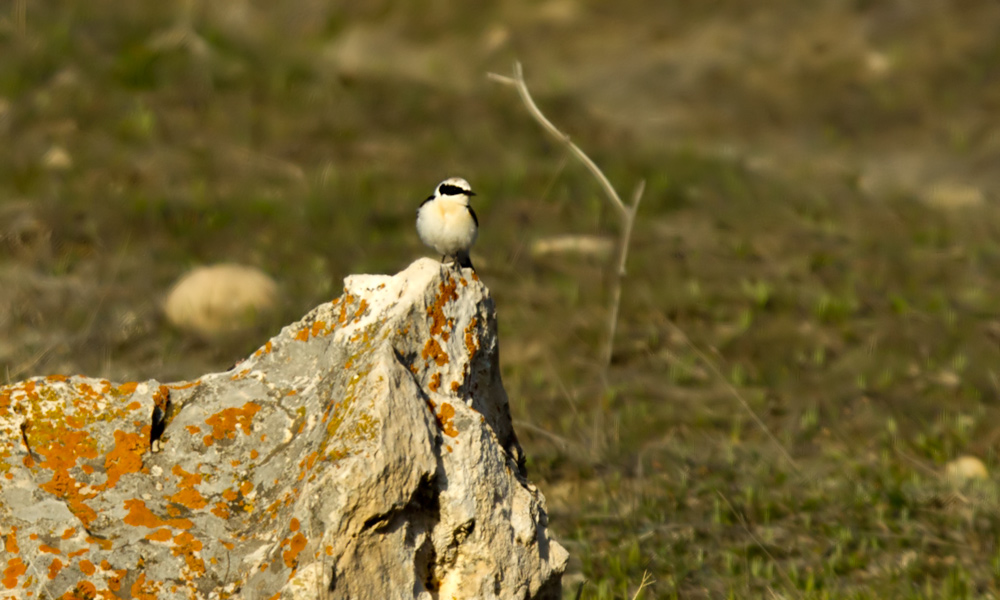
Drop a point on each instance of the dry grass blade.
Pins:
(756, 540)
(20, 16)
(647, 580)
(734, 392)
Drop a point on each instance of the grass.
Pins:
(857, 322)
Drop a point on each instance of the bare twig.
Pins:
(627, 213)
(522, 88)
(616, 291)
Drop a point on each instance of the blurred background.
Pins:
(803, 396)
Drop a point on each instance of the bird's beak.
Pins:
(471, 193)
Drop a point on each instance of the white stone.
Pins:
(965, 468)
(220, 299)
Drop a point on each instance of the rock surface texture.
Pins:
(366, 451)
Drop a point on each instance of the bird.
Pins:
(447, 223)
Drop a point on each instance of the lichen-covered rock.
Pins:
(364, 452)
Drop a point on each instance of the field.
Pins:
(809, 329)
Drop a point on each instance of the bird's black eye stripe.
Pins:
(446, 189)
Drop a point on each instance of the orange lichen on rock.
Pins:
(348, 299)
(10, 542)
(435, 383)
(160, 535)
(15, 568)
(139, 515)
(186, 494)
(435, 311)
(144, 590)
(87, 567)
(225, 422)
(128, 387)
(362, 309)
(307, 463)
(125, 457)
(317, 329)
(433, 351)
(265, 349)
(295, 546)
(54, 567)
(184, 386)
(84, 591)
(114, 581)
(60, 449)
(161, 397)
(187, 545)
(471, 341)
(221, 510)
(444, 418)
(101, 543)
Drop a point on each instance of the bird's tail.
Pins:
(463, 260)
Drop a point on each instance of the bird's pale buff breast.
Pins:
(446, 226)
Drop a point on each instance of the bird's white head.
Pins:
(454, 188)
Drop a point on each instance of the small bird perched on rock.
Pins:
(447, 223)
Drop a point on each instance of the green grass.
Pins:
(858, 323)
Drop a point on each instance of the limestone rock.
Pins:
(366, 451)
(220, 299)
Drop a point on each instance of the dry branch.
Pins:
(627, 212)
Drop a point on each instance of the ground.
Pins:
(809, 327)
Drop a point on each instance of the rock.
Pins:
(366, 451)
(965, 468)
(220, 299)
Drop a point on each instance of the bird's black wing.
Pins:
(474, 218)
